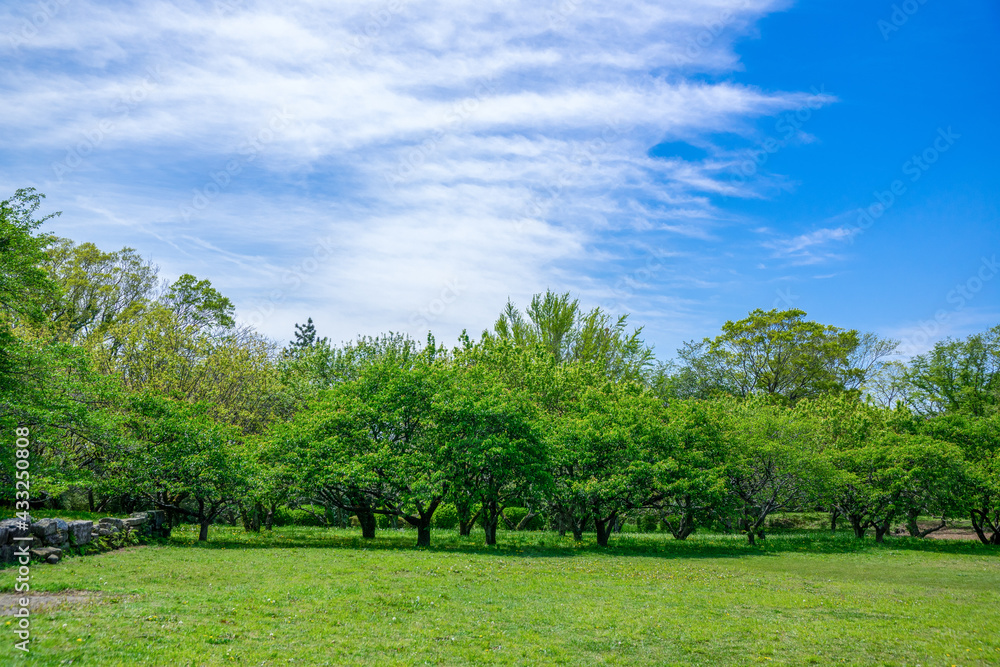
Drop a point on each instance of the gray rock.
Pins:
(135, 522)
(46, 527)
(7, 553)
(80, 532)
(52, 559)
(45, 552)
(111, 522)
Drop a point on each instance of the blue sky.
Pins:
(402, 165)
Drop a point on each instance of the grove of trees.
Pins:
(145, 394)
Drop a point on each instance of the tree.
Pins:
(780, 353)
(558, 325)
(897, 476)
(608, 452)
(98, 289)
(771, 464)
(24, 285)
(182, 460)
(494, 451)
(958, 376)
(694, 487)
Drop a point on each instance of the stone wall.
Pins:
(50, 537)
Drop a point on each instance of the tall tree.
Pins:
(780, 353)
(958, 376)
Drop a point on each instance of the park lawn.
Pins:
(321, 597)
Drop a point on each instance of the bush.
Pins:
(445, 517)
(515, 514)
(306, 515)
(648, 523)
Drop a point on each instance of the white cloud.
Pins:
(496, 145)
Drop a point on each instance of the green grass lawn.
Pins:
(322, 597)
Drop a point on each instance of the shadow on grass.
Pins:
(550, 545)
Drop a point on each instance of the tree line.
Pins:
(141, 393)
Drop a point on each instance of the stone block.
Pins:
(45, 552)
(80, 532)
(46, 527)
(52, 559)
(112, 523)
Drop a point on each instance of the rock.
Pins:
(113, 524)
(45, 552)
(80, 532)
(46, 527)
(7, 553)
(135, 522)
(52, 559)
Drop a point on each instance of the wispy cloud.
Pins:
(502, 144)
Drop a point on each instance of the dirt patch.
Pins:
(45, 600)
(954, 534)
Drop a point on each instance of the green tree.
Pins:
(780, 353)
(97, 289)
(608, 453)
(958, 376)
(558, 325)
(184, 461)
(772, 464)
(494, 451)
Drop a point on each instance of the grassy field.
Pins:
(322, 597)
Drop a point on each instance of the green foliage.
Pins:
(446, 517)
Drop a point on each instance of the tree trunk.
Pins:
(423, 536)
(577, 526)
(858, 527)
(203, 533)
(258, 510)
(90, 499)
(368, 525)
(490, 527)
(523, 523)
(834, 515)
(604, 528)
(269, 519)
(914, 530)
(880, 530)
(751, 537)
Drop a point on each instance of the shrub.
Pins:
(306, 515)
(445, 517)
(515, 514)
